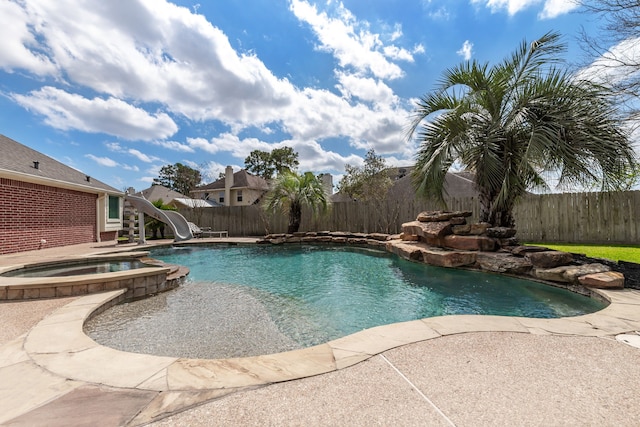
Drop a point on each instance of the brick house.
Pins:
(44, 203)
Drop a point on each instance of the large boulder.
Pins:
(469, 243)
(410, 251)
(549, 259)
(524, 250)
(605, 280)
(437, 216)
(430, 232)
(503, 263)
(574, 272)
(444, 258)
(479, 228)
(569, 273)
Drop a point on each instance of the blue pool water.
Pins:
(312, 294)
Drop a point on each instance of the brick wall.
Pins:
(30, 213)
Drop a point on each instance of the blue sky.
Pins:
(120, 88)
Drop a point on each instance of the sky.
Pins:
(120, 88)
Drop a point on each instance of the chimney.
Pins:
(228, 183)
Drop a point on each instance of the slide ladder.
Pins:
(177, 222)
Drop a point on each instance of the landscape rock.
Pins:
(458, 220)
(503, 263)
(469, 243)
(479, 228)
(573, 273)
(555, 274)
(549, 259)
(523, 250)
(430, 232)
(461, 230)
(436, 216)
(410, 251)
(606, 280)
(501, 232)
(379, 236)
(444, 258)
(409, 237)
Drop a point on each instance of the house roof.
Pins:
(241, 179)
(22, 163)
(160, 192)
(169, 196)
(457, 184)
(196, 203)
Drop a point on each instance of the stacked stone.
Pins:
(451, 230)
(445, 239)
(339, 237)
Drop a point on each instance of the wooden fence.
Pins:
(569, 217)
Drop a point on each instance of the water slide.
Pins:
(173, 219)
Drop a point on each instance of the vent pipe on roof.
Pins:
(88, 178)
(36, 164)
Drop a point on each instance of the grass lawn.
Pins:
(615, 253)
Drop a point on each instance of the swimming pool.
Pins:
(249, 300)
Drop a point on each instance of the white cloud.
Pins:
(555, 8)
(174, 145)
(18, 42)
(127, 75)
(466, 50)
(103, 161)
(367, 89)
(608, 69)
(551, 8)
(63, 110)
(348, 40)
(141, 156)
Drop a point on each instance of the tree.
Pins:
(179, 177)
(155, 224)
(371, 182)
(617, 61)
(265, 165)
(291, 191)
(515, 123)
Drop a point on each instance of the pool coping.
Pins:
(59, 345)
(65, 358)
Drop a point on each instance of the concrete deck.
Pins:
(453, 370)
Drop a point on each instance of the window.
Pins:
(114, 207)
(221, 197)
(239, 195)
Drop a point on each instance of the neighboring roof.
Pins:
(457, 184)
(241, 179)
(17, 162)
(196, 203)
(160, 192)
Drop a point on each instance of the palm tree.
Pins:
(291, 191)
(516, 123)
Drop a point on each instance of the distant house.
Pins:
(235, 189)
(457, 184)
(173, 198)
(44, 203)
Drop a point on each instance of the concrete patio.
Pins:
(455, 370)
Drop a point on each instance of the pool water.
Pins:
(76, 269)
(312, 294)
